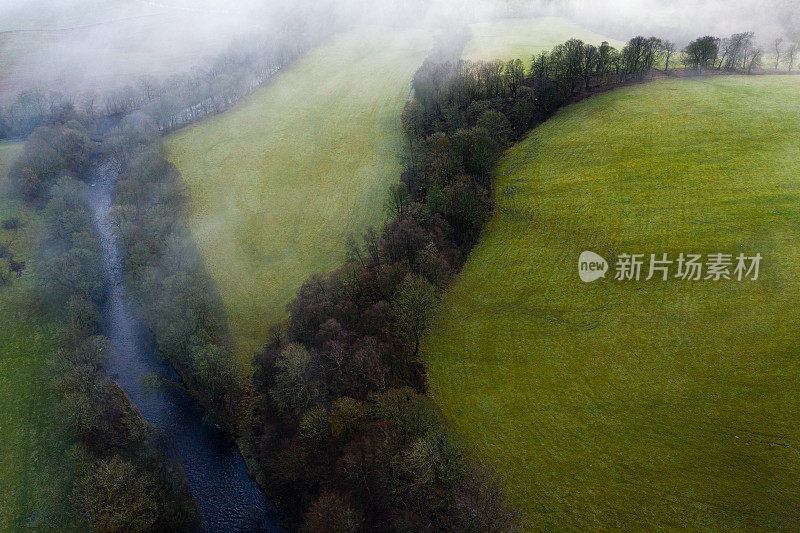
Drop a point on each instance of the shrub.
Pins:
(10, 223)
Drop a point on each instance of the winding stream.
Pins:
(215, 470)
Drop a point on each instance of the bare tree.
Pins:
(89, 103)
(668, 49)
(777, 45)
(791, 55)
(755, 59)
(735, 50)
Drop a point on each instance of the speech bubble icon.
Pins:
(591, 266)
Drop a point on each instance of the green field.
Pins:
(521, 38)
(279, 182)
(33, 469)
(625, 405)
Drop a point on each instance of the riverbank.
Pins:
(215, 470)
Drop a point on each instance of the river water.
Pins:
(215, 470)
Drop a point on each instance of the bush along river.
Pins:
(215, 470)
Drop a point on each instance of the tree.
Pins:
(652, 51)
(412, 313)
(573, 58)
(604, 61)
(398, 198)
(514, 74)
(464, 205)
(734, 51)
(83, 319)
(540, 66)
(345, 417)
(332, 512)
(755, 60)
(702, 52)
(777, 47)
(89, 103)
(213, 367)
(413, 119)
(637, 56)
(476, 151)
(496, 124)
(668, 50)
(29, 184)
(791, 55)
(298, 383)
(118, 496)
(313, 428)
(524, 111)
(481, 503)
(591, 58)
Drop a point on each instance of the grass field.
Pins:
(649, 405)
(34, 465)
(521, 38)
(279, 182)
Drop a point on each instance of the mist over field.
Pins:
(681, 20)
(80, 45)
(74, 46)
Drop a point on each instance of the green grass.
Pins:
(521, 38)
(679, 411)
(279, 182)
(34, 470)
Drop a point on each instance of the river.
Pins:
(215, 470)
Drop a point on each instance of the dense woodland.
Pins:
(336, 417)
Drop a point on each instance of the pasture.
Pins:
(279, 182)
(34, 471)
(521, 38)
(637, 405)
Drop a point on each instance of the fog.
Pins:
(76, 45)
(683, 20)
(73, 46)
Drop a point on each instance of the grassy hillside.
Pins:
(521, 38)
(279, 182)
(33, 471)
(638, 405)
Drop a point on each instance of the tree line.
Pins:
(173, 293)
(121, 483)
